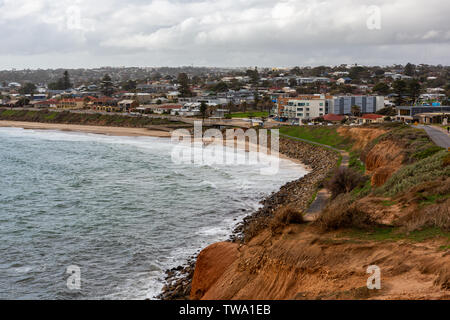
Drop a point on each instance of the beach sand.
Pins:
(113, 131)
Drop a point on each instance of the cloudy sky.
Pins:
(225, 33)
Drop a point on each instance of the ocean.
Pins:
(118, 208)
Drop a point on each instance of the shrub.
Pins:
(344, 181)
(431, 216)
(446, 160)
(414, 174)
(427, 152)
(343, 213)
(284, 217)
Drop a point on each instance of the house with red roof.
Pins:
(335, 118)
(371, 118)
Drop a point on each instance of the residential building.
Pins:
(141, 97)
(423, 114)
(126, 105)
(334, 118)
(367, 104)
(370, 118)
(72, 104)
(304, 107)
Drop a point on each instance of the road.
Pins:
(438, 136)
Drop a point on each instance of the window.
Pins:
(307, 109)
(321, 109)
(301, 104)
(299, 109)
(307, 114)
(321, 104)
(320, 114)
(299, 114)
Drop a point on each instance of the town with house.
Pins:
(350, 94)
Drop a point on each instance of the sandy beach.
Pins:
(113, 131)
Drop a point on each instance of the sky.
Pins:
(222, 33)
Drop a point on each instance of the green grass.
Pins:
(394, 234)
(388, 203)
(324, 135)
(355, 162)
(46, 116)
(433, 199)
(362, 191)
(250, 114)
(428, 152)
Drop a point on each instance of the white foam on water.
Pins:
(242, 179)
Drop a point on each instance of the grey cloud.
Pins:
(223, 33)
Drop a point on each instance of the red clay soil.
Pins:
(300, 263)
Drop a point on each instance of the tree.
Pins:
(62, 83)
(410, 69)
(183, 82)
(387, 111)
(381, 88)
(292, 83)
(414, 89)
(203, 110)
(220, 87)
(356, 110)
(130, 85)
(106, 86)
(66, 80)
(357, 72)
(27, 88)
(256, 99)
(399, 87)
(254, 76)
(296, 71)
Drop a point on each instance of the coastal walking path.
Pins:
(438, 135)
(323, 195)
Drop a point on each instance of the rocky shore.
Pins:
(297, 193)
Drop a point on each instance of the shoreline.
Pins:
(181, 276)
(315, 160)
(106, 130)
(319, 163)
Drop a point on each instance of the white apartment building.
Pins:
(305, 109)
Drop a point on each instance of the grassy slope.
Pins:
(255, 114)
(113, 120)
(323, 134)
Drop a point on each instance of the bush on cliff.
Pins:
(342, 213)
(344, 181)
(284, 217)
(414, 174)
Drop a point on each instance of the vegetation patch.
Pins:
(327, 135)
(46, 116)
(250, 115)
(395, 234)
(345, 180)
(355, 162)
(342, 213)
(427, 169)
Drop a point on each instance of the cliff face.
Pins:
(304, 262)
(383, 160)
